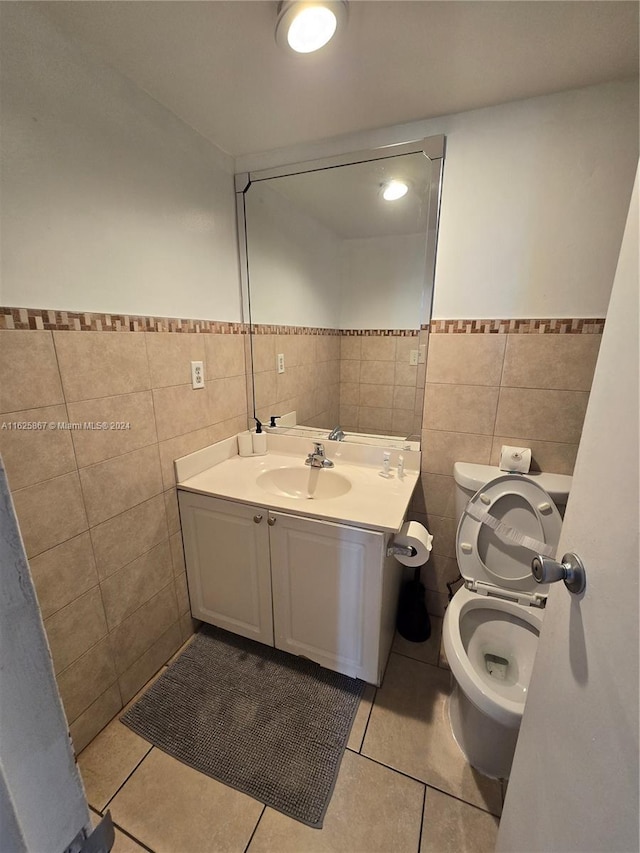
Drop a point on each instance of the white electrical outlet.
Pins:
(413, 356)
(197, 374)
(422, 357)
(280, 362)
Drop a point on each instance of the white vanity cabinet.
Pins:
(226, 547)
(314, 588)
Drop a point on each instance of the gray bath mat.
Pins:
(269, 724)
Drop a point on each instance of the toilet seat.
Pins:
(493, 562)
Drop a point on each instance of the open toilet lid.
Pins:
(491, 556)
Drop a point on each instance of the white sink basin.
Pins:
(304, 483)
(351, 493)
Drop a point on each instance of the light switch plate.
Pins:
(280, 362)
(197, 374)
(413, 356)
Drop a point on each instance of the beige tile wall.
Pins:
(98, 509)
(486, 390)
(380, 391)
(309, 384)
(363, 383)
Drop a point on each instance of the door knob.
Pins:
(257, 519)
(570, 570)
(271, 521)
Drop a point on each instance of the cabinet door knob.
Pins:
(257, 519)
(271, 521)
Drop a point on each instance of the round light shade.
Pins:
(394, 190)
(307, 26)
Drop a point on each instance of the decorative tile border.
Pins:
(73, 321)
(564, 326)
(272, 329)
(261, 329)
(380, 333)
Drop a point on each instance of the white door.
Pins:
(226, 548)
(327, 588)
(574, 783)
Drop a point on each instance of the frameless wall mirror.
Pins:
(338, 287)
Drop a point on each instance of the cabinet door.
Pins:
(327, 584)
(226, 547)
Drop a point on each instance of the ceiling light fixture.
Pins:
(394, 190)
(307, 26)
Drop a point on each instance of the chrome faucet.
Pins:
(336, 434)
(317, 459)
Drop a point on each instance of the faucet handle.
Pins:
(318, 447)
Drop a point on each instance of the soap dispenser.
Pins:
(259, 440)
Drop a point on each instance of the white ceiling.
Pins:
(217, 66)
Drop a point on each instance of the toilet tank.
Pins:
(470, 477)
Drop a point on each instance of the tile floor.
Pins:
(403, 786)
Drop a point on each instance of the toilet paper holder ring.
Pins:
(402, 550)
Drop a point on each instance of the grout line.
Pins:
(495, 419)
(422, 815)
(393, 769)
(515, 387)
(122, 784)
(366, 726)
(133, 837)
(84, 653)
(155, 423)
(108, 577)
(491, 435)
(133, 613)
(466, 802)
(540, 441)
(264, 808)
(119, 456)
(461, 800)
(107, 637)
(117, 714)
(164, 540)
(147, 685)
(429, 784)
(122, 830)
(423, 662)
(419, 660)
(135, 506)
(89, 529)
(76, 754)
(75, 470)
(111, 396)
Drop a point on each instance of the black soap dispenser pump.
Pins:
(259, 439)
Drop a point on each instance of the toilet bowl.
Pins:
(492, 624)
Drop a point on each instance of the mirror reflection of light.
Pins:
(311, 29)
(394, 190)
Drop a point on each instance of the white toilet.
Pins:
(492, 624)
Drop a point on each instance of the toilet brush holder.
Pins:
(413, 621)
